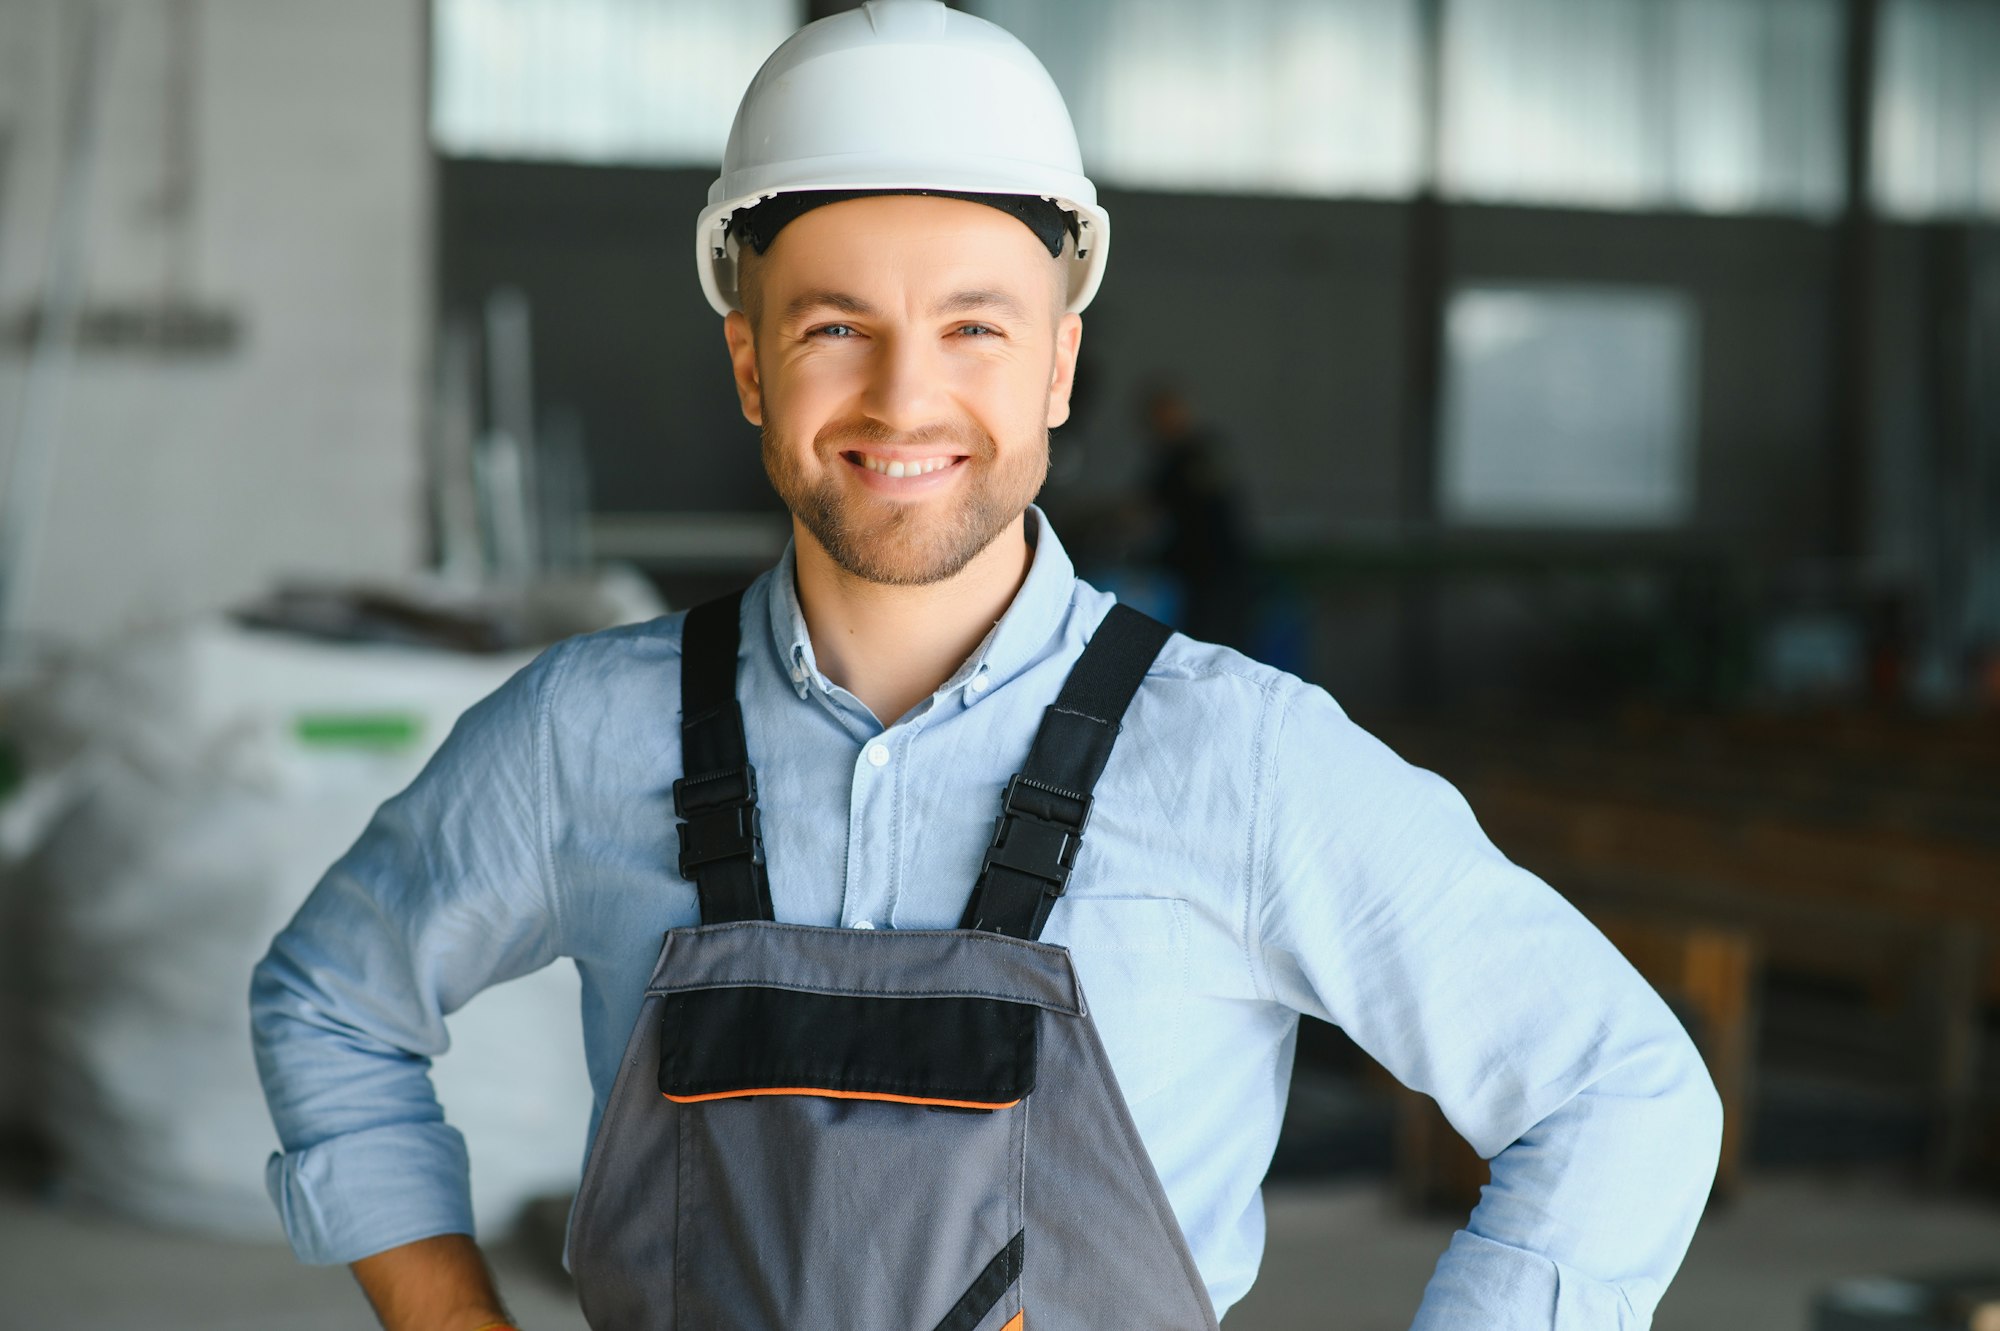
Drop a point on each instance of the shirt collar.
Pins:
(1034, 616)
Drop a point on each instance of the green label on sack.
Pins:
(359, 730)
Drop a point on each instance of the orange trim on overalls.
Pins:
(847, 1095)
(1015, 1323)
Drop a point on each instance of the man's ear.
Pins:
(1069, 340)
(742, 342)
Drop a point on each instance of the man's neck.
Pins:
(892, 647)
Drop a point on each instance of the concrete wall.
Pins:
(267, 165)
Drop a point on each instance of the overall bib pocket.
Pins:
(823, 1138)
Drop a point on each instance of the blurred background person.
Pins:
(1199, 520)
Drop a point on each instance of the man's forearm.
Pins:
(435, 1284)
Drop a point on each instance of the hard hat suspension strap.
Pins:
(760, 223)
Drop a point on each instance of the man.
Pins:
(872, 1064)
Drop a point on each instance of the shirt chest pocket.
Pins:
(1131, 953)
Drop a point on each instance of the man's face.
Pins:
(908, 357)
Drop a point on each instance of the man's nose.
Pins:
(905, 384)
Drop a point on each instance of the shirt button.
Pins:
(980, 683)
(799, 672)
(878, 754)
(864, 924)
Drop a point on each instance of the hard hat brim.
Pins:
(715, 252)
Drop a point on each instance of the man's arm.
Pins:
(436, 1284)
(1387, 911)
(443, 895)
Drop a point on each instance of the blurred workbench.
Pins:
(1853, 856)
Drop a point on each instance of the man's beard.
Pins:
(903, 544)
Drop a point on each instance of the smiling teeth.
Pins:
(917, 468)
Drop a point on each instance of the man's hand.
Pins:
(436, 1284)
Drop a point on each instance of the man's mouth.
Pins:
(898, 467)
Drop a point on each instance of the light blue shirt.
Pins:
(1253, 854)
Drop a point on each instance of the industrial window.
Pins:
(1569, 406)
(638, 81)
(1259, 96)
(1937, 109)
(1721, 106)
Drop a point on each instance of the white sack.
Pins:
(176, 820)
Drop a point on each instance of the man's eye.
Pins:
(983, 330)
(833, 330)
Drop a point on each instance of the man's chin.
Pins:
(902, 568)
(904, 548)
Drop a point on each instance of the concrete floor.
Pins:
(1338, 1256)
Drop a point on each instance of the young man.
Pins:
(895, 1067)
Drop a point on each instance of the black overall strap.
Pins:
(1047, 802)
(722, 843)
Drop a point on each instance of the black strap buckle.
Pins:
(1039, 833)
(695, 795)
(721, 819)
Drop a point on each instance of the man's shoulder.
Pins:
(652, 639)
(648, 646)
(1197, 673)
(603, 667)
(1195, 661)
(1201, 697)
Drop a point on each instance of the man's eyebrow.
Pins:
(807, 302)
(965, 302)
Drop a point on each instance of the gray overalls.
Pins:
(825, 1129)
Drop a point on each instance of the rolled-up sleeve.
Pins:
(445, 893)
(1387, 911)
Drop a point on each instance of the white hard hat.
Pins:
(901, 95)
